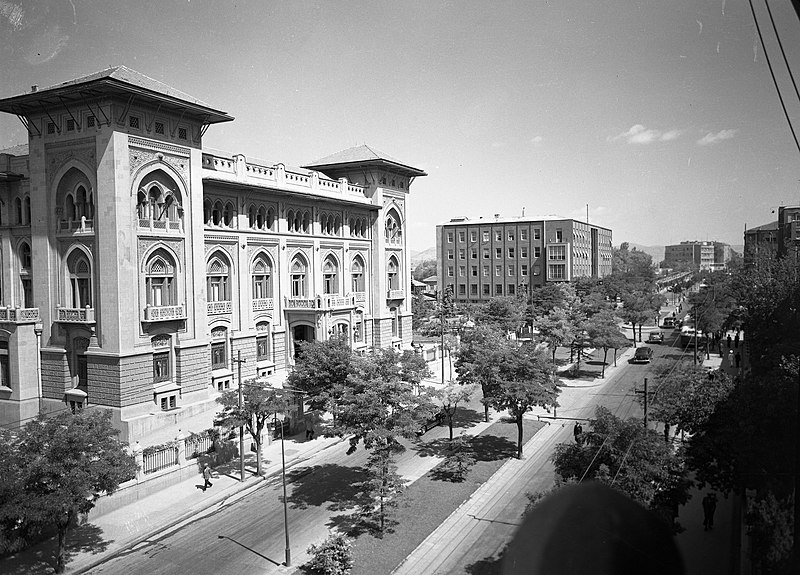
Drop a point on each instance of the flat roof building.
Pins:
(489, 257)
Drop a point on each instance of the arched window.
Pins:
(270, 218)
(80, 280)
(27, 209)
(394, 233)
(26, 274)
(18, 207)
(298, 272)
(357, 274)
(306, 222)
(207, 211)
(160, 280)
(290, 220)
(260, 217)
(227, 215)
(262, 278)
(216, 213)
(392, 275)
(251, 216)
(69, 208)
(217, 280)
(262, 341)
(330, 276)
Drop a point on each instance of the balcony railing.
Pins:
(299, 303)
(172, 226)
(19, 315)
(359, 296)
(218, 307)
(75, 314)
(262, 304)
(395, 294)
(81, 225)
(164, 312)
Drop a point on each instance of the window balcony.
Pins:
(75, 314)
(263, 304)
(19, 315)
(299, 303)
(81, 226)
(219, 307)
(164, 312)
(395, 294)
(168, 226)
(335, 301)
(359, 296)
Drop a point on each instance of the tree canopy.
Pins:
(55, 468)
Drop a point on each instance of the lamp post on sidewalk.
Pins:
(239, 361)
(288, 561)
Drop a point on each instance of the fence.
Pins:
(196, 445)
(161, 459)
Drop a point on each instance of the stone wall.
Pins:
(193, 368)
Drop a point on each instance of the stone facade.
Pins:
(136, 265)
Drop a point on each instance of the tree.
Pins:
(503, 313)
(628, 457)
(603, 332)
(450, 396)
(259, 405)
(474, 363)
(526, 379)
(321, 371)
(61, 465)
(378, 408)
(544, 299)
(632, 265)
(556, 329)
(424, 270)
(422, 308)
(637, 308)
(686, 396)
(413, 368)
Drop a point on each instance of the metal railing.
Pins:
(196, 445)
(161, 459)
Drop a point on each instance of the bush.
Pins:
(334, 556)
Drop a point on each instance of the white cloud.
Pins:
(638, 134)
(498, 144)
(712, 138)
(536, 140)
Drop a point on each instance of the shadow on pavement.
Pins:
(492, 448)
(41, 558)
(486, 566)
(253, 551)
(335, 486)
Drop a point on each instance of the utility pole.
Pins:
(240, 361)
(645, 394)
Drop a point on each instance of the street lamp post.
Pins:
(285, 502)
(240, 361)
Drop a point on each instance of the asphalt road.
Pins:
(247, 536)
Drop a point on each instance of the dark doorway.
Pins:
(301, 333)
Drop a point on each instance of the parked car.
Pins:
(430, 423)
(655, 337)
(642, 355)
(669, 322)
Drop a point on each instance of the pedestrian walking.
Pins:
(738, 358)
(577, 431)
(729, 341)
(207, 477)
(709, 507)
(736, 340)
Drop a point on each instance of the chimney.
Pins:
(35, 88)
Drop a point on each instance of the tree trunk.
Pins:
(633, 330)
(519, 436)
(605, 355)
(451, 430)
(554, 355)
(666, 432)
(61, 556)
(615, 357)
(640, 333)
(258, 453)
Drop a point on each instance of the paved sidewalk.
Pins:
(120, 529)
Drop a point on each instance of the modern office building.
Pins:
(489, 257)
(703, 255)
(138, 266)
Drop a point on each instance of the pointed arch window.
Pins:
(262, 278)
(18, 207)
(80, 280)
(160, 280)
(357, 274)
(394, 232)
(330, 276)
(298, 273)
(392, 274)
(217, 280)
(26, 274)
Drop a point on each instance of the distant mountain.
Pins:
(419, 257)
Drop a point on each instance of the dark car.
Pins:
(655, 337)
(642, 355)
(430, 423)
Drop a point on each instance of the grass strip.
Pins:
(428, 502)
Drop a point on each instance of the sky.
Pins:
(661, 116)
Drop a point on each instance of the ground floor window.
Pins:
(161, 370)
(262, 348)
(218, 356)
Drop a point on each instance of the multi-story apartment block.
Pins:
(485, 258)
(702, 255)
(775, 237)
(137, 267)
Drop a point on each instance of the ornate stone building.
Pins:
(137, 267)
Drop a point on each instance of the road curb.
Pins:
(228, 495)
